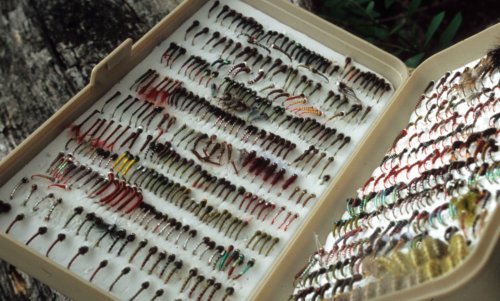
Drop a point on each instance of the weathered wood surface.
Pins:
(47, 50)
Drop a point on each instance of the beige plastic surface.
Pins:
(277, 285)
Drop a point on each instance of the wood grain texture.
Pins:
(47, 51)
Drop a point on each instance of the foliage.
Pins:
(409, 29)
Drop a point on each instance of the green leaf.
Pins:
(414, 60)
(414, 4)
(433, 26)
(404, 36)
(356, 13)
(450, 31)
(369, 9)
(398, 27)
(388, 3)
(381, 33)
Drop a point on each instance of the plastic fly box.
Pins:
(202, 161)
